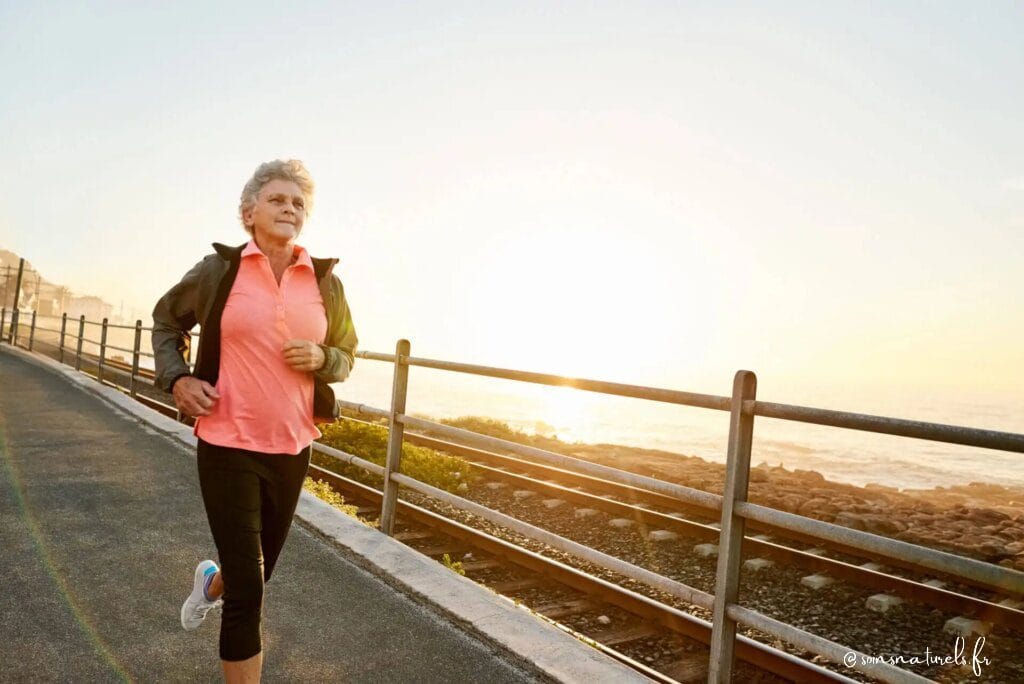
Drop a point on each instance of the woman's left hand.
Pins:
(303, 355)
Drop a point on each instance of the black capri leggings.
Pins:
(250, 498)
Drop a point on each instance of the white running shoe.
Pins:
(195, 608)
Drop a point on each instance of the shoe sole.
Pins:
(197, 585)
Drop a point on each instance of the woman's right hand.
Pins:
(194, 397)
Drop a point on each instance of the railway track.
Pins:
(518, 488)
(621, 622)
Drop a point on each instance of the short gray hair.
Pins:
(279, 169)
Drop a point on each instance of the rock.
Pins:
(851, 520)
(523, 493)
(621, 522)
(552, 503)
(496, 485)
(662, 535)
(934, 583)
(874, 567)
(706, 550)
(813, 507)
(757, 476)
(604, 620)
(986, 516)
(809, 475)
(584, 512)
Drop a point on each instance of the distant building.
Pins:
(93, 308)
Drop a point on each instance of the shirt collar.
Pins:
(302, 256)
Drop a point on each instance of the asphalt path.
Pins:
(101, 527)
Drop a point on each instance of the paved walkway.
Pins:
(101, 526)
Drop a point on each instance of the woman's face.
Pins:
(278, 214)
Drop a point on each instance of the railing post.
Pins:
(103, 352)
(396, 431)
(32, 331)
(3, 320)
(135, 357)
(78, 352)
(63, 331)
(12, 338)
(730, 541)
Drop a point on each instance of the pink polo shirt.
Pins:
(265, 405)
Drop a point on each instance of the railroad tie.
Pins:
(562, 609)
(965, 627)
(706, 550)
(881, 603)
(816, 582)
(756, 564)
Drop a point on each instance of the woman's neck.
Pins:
(280, 254)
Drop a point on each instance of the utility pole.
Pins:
(17, 287)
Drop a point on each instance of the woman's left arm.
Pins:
(339, 346)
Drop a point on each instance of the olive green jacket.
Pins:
(200, 297)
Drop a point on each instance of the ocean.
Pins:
(841, 455)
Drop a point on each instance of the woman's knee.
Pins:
(243, 587)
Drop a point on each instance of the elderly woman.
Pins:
(275, 330)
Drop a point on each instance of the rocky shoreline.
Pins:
(978, 520)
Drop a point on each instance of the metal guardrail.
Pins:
(727, 613)
(733, 506)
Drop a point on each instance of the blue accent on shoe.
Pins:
(211, 569)
(206, 585)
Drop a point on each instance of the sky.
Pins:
(828, 194)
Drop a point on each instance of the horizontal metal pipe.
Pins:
(669, 586)
(637, 391)
(935, 432)
(688, 494)
(127, 351)
(375, 356)
(364, 409)
(122, 327)
(1004, 579)
(837, 653)
(41, 328)
(349, 458)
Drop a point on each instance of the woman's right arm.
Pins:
(173, 317)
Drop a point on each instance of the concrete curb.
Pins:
(489, 617)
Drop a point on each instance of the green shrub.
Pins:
(323, 491)
(454, 566)
(370, 442)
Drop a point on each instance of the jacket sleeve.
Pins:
(340, 344)
(173, 317)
